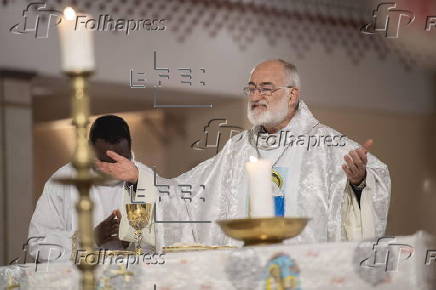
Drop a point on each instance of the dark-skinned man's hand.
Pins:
(121, 169)
(107, 230)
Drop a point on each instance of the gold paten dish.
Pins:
(259, 231)
(114, 252)
(188, 248)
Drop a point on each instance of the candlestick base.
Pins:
(261, 231)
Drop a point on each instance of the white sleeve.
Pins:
(49, 238)
(165, 230)
(351, 216)
(359, 221)
(146, 192)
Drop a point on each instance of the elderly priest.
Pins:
(316, 172)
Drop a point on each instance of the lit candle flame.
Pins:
(253, 159)
(69, 13)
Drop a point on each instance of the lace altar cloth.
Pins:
(407, 262)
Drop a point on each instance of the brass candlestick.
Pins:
(82, 161)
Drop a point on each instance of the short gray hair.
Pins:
(293, 76)
(291, 70)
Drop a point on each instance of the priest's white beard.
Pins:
(273, 115)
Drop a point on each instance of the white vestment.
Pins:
(54, 220)
(317, 187)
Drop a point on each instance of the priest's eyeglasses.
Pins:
(263, 90)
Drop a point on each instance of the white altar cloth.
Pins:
(393, 263)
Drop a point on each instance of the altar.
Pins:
(407, 262)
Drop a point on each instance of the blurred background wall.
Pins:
(365, 86)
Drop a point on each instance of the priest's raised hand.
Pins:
(356, 161)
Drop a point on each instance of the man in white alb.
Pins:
(54, 220)
(317, 173)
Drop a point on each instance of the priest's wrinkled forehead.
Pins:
(268, 72)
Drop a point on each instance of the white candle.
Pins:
(260, 187)
(77, 46)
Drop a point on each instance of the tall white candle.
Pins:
(260, 187)
(77, 46)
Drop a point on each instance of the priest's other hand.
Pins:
(355, 166)
(122, 168)
(107, 230)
